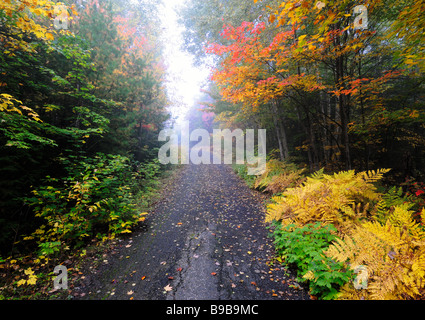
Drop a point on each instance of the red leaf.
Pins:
(419, 192)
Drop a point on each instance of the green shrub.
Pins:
(95, 200)
(304, 248)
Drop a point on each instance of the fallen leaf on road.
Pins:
(214, 273)
(179, 269)
(130, 292)
(143, 278)
(168, 288)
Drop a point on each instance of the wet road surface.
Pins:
(205, 240)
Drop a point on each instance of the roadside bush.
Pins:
(95, 200)
(304, 248)
(392, 254)
(362, 230)
(342, 199)
(276, 178)
(279, 176)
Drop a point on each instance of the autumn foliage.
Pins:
(329, 74)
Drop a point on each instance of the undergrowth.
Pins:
(349, 236)
(100, 199)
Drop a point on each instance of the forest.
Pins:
(338, 84)
(82, 101)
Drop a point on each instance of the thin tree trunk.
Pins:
(280, 132)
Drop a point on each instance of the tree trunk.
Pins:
(343, 108)
(280, 132)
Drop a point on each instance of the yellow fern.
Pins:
(393, 253)
(278, 176)
(342, 199)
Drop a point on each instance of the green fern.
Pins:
(390, 199)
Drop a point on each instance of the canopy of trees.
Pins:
(339, 84)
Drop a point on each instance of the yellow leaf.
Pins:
(32, 280)
(29, 272)
(21, 282)
(49, 36)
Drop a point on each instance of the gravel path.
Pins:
(205, 240)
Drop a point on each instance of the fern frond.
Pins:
(392, 254)
(318, 175)
(373, 176)
(342, 198)
(402, 217)
(278, 176)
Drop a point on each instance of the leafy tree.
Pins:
(72, 95)
(328, 76)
